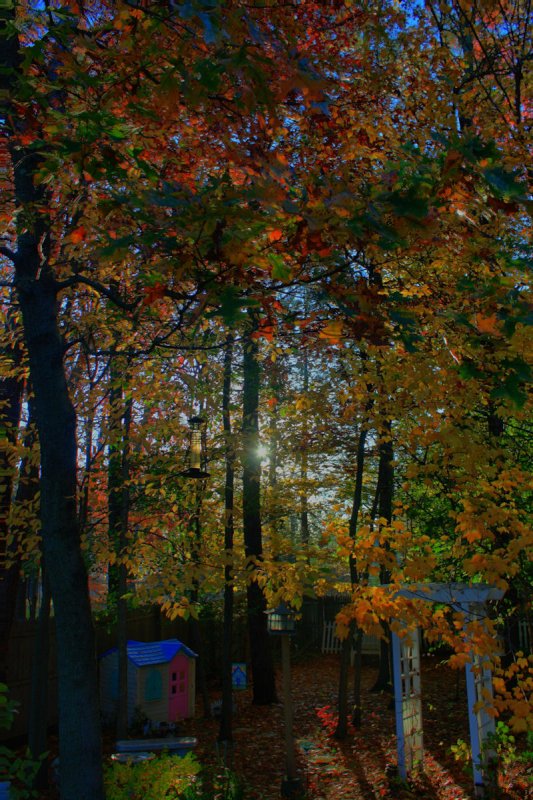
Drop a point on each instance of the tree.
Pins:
(264, 689)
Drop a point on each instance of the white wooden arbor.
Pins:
(469, 600)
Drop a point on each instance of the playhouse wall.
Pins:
(155, 710)
(177, 664)
(192, 686)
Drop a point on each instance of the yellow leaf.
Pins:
(332, 331)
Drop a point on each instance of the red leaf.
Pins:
(153, 293)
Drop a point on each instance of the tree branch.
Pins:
(103, 290)
(8, 253)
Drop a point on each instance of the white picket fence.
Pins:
(332, 644)
(524, 636)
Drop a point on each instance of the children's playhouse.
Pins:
(161, 680)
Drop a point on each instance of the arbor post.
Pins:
(288, 716)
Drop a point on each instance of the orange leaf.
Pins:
(265, 330)
(78, 235)
(487, 324)
(275, 235)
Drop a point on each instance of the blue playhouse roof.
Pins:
(143, 654)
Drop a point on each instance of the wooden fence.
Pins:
(142, 625)
(315, 631)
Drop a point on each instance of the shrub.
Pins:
(18, 770)
(166, 777)
(170, 778)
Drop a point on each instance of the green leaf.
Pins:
(469, 370)
(505, 183)
(117, 132)
(280, 270)
(409, 205)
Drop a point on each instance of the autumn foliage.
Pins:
(352, 177)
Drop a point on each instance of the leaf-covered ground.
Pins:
(362, 766)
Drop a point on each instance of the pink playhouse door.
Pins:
(178, 707)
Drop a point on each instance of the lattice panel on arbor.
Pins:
(408, 700)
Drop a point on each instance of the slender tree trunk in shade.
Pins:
(264, 688)
(304, 501)
(194, 624)
(226, 716)
(40, 673)
(122, 587)
(342, 721)
(357, 709)
(26, 495)
(385, 494)
(288, 714)
(118, 512)
(84, 490)
(342, 698)
(11, 389)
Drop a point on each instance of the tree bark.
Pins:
(197, 640)
(385, 495)
(118, 519)
(122, 603)
(264, 688)
(342, 721)
(11, 389)
(304, 502)
(79, 724)
(226, 716)
(40, 675)
(341, 729)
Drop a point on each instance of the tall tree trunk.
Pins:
(122, 603)
(354, 573)
(84, 489)
(304, 502)
(40, 676)
(79, 720)
(114, 474)
(11, 388)
(197, 641)
(341, 729)
(118, 519)
(357, 708)
(226, 717)
(385, 495)
(264, 688)
(26, 497)
(79, 723)
(342, 721)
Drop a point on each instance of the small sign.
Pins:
(238, 676)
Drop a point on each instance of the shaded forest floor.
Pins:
(362, 766)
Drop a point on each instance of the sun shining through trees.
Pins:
(306, 225)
